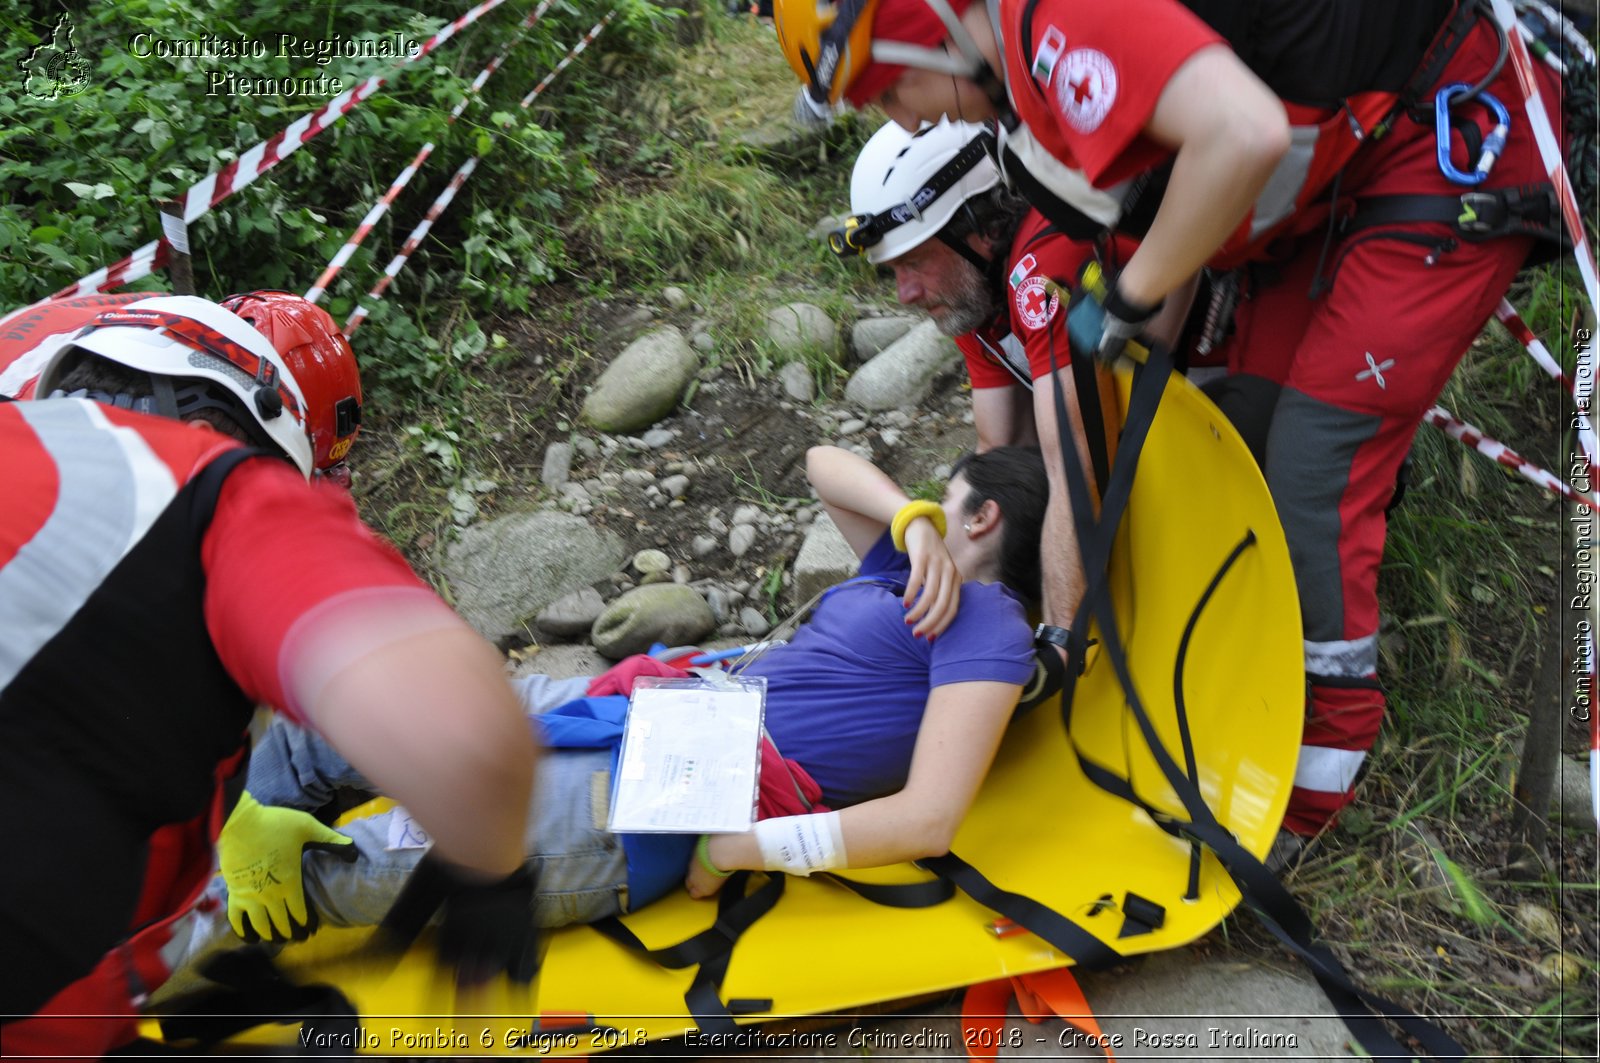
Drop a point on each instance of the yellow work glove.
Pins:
(260, 848)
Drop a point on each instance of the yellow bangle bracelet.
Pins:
(910, 512)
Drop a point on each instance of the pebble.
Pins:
(702, 545)
(675, 297)
(890, 436)
(717, 598)
(637, 477)
(557, 465)
(746, 514)
(740, 539)
(753, 622)
(657, 438)
(675, 486)
(647, 562)
(717, 525)
(852, 426)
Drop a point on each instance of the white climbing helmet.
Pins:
(906, 187)
(199, 355)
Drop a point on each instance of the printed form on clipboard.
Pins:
(691, 756)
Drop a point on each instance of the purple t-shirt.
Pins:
(845, 697)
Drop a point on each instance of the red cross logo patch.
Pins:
(1035, 305)
(1086, 89)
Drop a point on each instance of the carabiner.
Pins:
(1493, 144)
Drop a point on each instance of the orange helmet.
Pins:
(319, 357)
(827, 44)
(849, 51)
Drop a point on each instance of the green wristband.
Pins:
(703, 851)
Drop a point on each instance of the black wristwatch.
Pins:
(1055, 636)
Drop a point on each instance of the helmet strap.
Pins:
(166, 397)
(964, 249)
(120, 400)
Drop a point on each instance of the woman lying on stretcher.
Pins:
(888, 706)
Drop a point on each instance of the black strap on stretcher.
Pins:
(1363, 1012)
(710, 950)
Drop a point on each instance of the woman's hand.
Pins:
(934, 574)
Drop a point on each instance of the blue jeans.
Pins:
(580, 867)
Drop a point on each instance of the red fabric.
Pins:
(1030, 314)
(276, 549)
(1406, 160)
(620, 677)
(907, 21)
(1142, 43)
(1408, 311)
(983, 1018)
(783, 783)
(23, 330)
(982, 368)
(1038, 320)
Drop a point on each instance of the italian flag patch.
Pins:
(1025, 266)
(1050, 47)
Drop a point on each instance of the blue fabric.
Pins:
(845, 697)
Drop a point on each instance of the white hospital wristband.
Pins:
(801, 844)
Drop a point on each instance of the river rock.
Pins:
(669, 613)
(643, 383)
(871, 335)
(800, 327)
(904, 373)
(557, 465)
(825, 559)
(798, 382)
(741, 538)
(573, 615)
(505, 570)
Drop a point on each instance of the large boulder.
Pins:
(905, 371)
(504, 571)
(669, 613)
(642, 384)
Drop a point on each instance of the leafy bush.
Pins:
(82, 174)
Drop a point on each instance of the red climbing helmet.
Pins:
(321, 361)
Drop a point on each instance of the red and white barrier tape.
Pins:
(417, 235)
(320, 288)
(577, 50)
(359, 314)
(1581, 390)
(1492, 448)
(215, 187)
(1544, 135)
